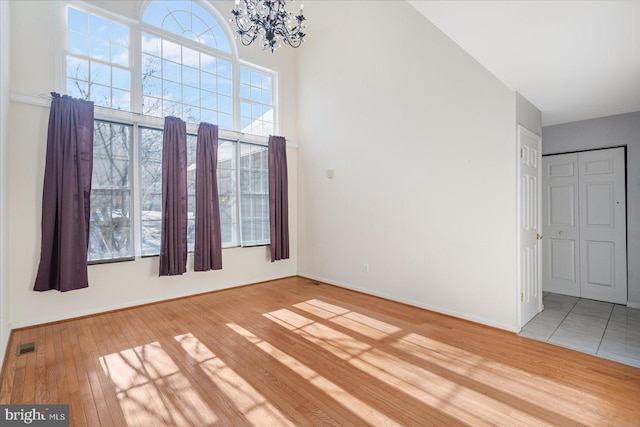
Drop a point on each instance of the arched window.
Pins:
(184, 66)
(183, 71)
(187, 19)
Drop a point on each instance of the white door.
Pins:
(530, 292)
(603, 229)
(560, 225)
(584, 224)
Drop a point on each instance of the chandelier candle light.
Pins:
(269, 20)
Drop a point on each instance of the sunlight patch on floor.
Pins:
(335, 392)
(465, 404)
(152, 390)
(532, 388)
(252, 405)
(365, 325)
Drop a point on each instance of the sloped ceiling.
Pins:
(574, 60)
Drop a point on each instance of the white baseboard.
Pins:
(633, 304)
(130, 304)
(476, 319)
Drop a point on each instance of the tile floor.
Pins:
(607, 330)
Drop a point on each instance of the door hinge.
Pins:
(521, 297)
(521, 153)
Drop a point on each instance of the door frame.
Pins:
(522, 130)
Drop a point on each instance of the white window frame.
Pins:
(137, 120)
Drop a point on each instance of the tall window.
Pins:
(250, 160)
(254, 194)
(110, 220)
(185, 67)
(227, 190)
(151, 190)
(97, 60)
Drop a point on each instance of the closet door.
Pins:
(603, 235)
(560, 225)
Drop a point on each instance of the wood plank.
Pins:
(288, 352)
(8, 370)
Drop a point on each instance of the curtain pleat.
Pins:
(208, 240)
(66, 196)
(278, 198)
(173, 244)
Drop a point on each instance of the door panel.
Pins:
(560, 271)
(529, 221)
(602, 193)
(563, 252)
(599, 205)
(600, 258)
(563, 212)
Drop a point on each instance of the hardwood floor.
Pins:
(289, 352)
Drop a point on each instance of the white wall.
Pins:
(422, 141)
(4, 115)
(528, 115)
(612, 131)
(35, 30)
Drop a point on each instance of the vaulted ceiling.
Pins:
(574, 60)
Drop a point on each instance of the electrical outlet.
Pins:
(365, 268)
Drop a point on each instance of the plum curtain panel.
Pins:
(278, 198)
(66, 196)
(208, 240)
(173, 243)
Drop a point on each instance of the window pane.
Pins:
(94, 46)
(171, 71)
(171, 51)
(191, 191)
(78, 21)
(120, 55)
(119, 34)
(99, 49)
(100, 74)
(78, 89)
(256, 108)
(101, 95)
(208, 63)
(254, 196)
(152, 106)
(151, 66)
(227, 192)
(151, 190)
(78, 43)
(224, 86)
(191, 76)
(77, 68)
(172, 91)
(120, 99)
(110, 221)
(121, 79)
(99, 27)
(151, 44)
(225, 121)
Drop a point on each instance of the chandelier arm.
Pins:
(270, 20)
